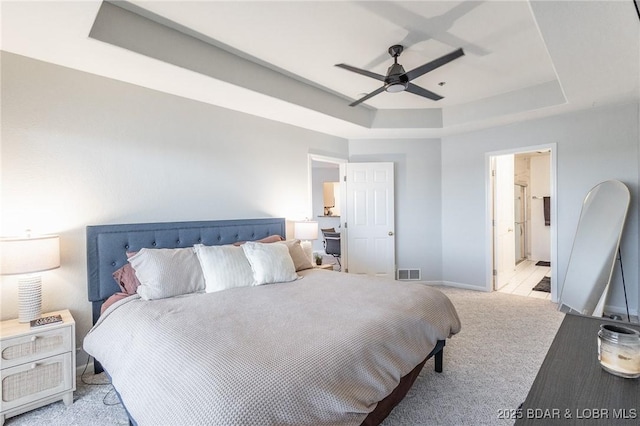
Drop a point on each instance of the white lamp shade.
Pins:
(28, 255)
(306, 230)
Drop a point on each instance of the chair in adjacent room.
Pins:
(332, 244)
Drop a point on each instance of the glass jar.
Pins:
(619, 350)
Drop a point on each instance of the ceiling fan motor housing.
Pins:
(396, 80)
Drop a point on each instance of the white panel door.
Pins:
(370, 219)
(505, 250)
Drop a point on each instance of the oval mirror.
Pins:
(595, 247)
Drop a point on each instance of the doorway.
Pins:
(521, 229)
(366, 220)
(326, 172)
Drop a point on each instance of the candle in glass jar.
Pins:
(619, 350)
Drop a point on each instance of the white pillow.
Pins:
(224, 267)
(167, 272)
(271, 263)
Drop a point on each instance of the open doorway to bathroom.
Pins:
(522, 226)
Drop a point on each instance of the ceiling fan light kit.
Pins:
(395, 87)
(397, 80)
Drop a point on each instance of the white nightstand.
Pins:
(38, 364)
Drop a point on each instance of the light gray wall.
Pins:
(540, 187)
(78, 150)
(417, 198)
(592, 146)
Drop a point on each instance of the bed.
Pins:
(327, 348)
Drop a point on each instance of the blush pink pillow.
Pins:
(269, 239)
(126, 278)
(111, 300)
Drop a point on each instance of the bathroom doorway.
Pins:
(522, 222)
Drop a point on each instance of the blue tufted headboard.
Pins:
(107, 245)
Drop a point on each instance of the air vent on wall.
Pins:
(409, 274)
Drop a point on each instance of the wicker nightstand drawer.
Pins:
(19, 350)
(33, 381)
(38, 364)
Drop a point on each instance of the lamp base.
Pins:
(29, 298)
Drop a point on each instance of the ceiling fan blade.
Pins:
(361, 71)
(430, 66)
(417, 90)
(370, 95)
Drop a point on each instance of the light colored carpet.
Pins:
(490, 365)
(92, 405)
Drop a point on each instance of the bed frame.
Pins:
(107, 246)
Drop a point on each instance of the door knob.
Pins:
(391, 233)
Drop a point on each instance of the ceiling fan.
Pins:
(397, 80)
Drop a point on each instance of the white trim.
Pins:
(342, 164)
(488, 167)
(621, 310)
(552, 147)
(453, 284)
(554, 223)
(327, 159)
(323, 159)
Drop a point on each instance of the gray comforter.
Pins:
(322, 350)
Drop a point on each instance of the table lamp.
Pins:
(306, 231)
(29, 256)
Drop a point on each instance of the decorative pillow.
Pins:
(115, 297)
(269, 239)
(271, 263)
(307, 248)
(126, 279)
(300, 259)
(167, 272)
(224, 267)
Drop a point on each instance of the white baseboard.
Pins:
(610, 309)
(429, 282)
(620, 310)
(80, 368)
(454, 284)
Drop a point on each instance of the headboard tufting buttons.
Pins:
(153, 243)
(126, 246)
(113, 263)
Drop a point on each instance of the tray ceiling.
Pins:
(276, 58)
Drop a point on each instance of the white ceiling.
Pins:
(522, 59)
(307, 38)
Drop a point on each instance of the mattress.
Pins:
(322, 350)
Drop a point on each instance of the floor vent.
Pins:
(409, 274)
